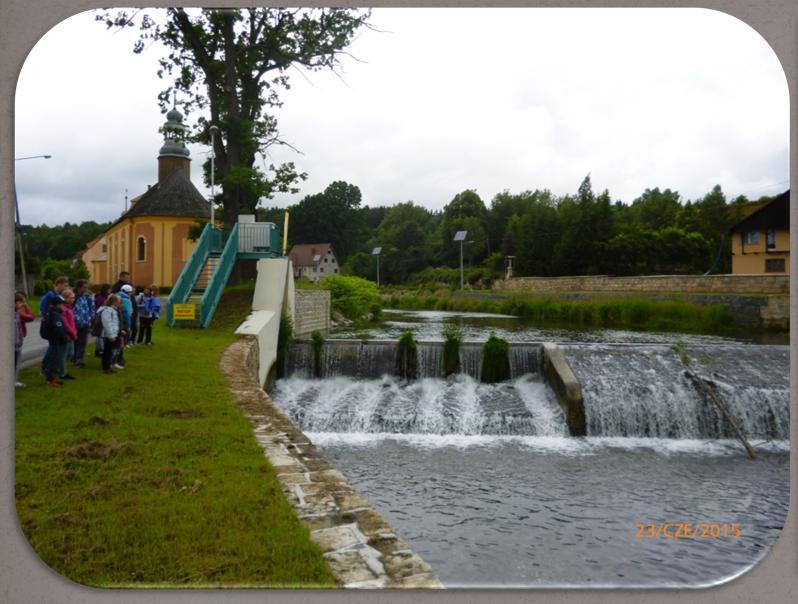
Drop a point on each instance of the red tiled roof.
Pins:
(308, 254)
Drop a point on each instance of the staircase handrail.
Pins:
(213, 292)
(191, 270)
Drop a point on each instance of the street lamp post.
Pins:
(460, 236)
(19, 227)
(376, 252)
(213, 130)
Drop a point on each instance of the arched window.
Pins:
(141, 249)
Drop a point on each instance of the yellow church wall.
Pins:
(167, 249)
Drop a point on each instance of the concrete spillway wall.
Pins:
(569, 392)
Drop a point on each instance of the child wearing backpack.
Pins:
(54, 331)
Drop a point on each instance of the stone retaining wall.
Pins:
(311, 311)
(729, 284)
(361, 548)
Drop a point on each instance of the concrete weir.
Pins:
(362, 549)
(569, 393)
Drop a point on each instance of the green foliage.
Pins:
(61, 242)
(629, 313)
(318, 350)
(332, 216)
(495, 360)
(74, 269)
(407, 356)
(284, 338)
(353, 297)
(452, 341)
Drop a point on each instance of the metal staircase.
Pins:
(207, 270)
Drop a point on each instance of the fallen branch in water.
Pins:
(718, 403)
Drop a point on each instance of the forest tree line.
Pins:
(577, 234)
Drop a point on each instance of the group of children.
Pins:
(116, 316)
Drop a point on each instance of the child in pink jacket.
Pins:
(71, 332)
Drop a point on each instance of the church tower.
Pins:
(174, 155)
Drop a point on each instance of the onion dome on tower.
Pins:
(174, 155)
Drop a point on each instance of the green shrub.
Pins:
(284, 338)
(318, 351)
(495, 360)
(407, 357)
(353, 297)
(42, 286)
(452, 340)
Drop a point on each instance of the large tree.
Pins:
(228, 65)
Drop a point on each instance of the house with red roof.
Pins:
(314, 261)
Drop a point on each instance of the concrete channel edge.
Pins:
(360, 546)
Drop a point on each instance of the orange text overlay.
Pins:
(687, 530)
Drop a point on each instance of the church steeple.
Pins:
(174, 155)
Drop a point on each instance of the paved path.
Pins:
(33, 348)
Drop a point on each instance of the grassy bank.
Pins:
(151, 477)
(618, 313)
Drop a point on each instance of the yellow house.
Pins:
(761, 241)
(95, 257)
(150, 240)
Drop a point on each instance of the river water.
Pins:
(485, 484)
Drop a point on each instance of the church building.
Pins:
(150, 240)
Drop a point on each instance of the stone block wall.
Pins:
(728, 284)
(311, 311)
(361, 548)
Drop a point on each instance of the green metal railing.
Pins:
(252, 241)
(210, 241)
(213, 293)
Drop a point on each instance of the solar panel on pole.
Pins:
(460, 236)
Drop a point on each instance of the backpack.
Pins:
(45, 327)
(96, 328)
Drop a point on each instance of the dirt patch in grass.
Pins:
(95, 420)
(181, 414)
(93, 449)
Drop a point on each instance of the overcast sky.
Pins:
(442, 100)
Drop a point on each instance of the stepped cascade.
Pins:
(631, 390)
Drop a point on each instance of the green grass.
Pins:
(152, 477)
(603, 312)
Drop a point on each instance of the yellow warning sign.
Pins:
(184, 312)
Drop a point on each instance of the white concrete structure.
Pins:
(274, 290)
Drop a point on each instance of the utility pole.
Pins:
(376, 252)
(213, 130)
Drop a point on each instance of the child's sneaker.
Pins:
(55, 383)
(119, 366)
(19, 385)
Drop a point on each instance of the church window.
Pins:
(141, 249)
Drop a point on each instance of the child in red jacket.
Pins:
(22, 316)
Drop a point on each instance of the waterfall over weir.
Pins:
(629, 390)
(371, 359)
(642, 390)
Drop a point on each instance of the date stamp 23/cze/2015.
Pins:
(687, 530)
